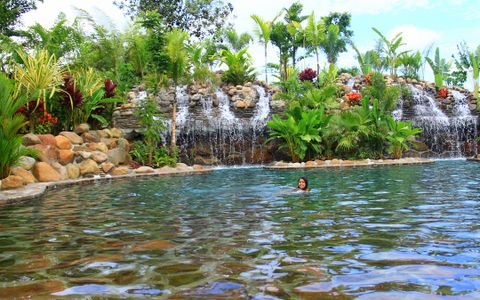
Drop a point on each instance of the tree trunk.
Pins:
(266, 77)
(318, 63)
(174, 118)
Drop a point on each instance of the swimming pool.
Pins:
(392, 232)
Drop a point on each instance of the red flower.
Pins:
(109, 88)
(368, 77)
(353, 98)
(307, 74)
(443, 92)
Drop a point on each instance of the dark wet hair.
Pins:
(306, 182)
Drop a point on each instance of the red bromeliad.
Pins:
(353, 98)
(307, 75)
(443, 92)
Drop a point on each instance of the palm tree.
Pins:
(315, 34)
(440, 67)
(331, 43)
(235, 41)
(474, 58)
(391, 48)
(263, 32)
(177, 55)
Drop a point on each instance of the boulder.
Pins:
(105, 133)
(82, 128)
(73, 137)
(12, 182)
(99, 156)
(107, 167)
(198, 167)
(65, 156)
(46, 153)
(60, 169)
(73, 171)
(26, 175)
(166, 169)
(44, 172)
(182, 167)
(26, 162)
(120, 171)
(82, 155)
(47, 139)
(98, 147)
(111, 143)
(144, 170)
(116, 132)
(240, 104)
(63, 143)
(123, 144)
(90, 138)
(31, 139)
(117, 156)
(89, 166)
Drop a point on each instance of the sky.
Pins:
(443, 23)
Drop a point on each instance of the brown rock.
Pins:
(60, 169)
(65, 156)
(26, 162)
(99, 156)
(90, 138)
(63, 143)
(44, 172)
(144, 170)
(89, 166)
(73, 171)
(98, 147)
(26, 175)
(116, 133)
(310, 164)
(46, 153)
(12, 182)
(166, 169)
(153, 245)
(73, 137)
(117, 156)
(123, 144)
(31, 139)
(120, 171)
(47, 139)
(82, 128)
(111, 143)
(107, 167)
(198, 167)
(105, 133)
(182, 167)
(31, 290)
(240, 104)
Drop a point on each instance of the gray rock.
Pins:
(117, 156)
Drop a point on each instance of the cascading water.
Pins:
(445, 133)
(215, 131)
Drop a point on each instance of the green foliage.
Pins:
(11, 123)
(354, 71)
(411, 64)
(301, 133)
(440, 68)
(400, 133)
(199, 59)
(149, 152)
(345, 34)
(263, 32)
(200, 18)
(239, 66)
(314, 36)
(378, 90)
(38, 75)
(235, 41)
(10, 12)
(369, 62)
(177, 54)
(390, 48)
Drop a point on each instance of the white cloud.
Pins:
(415, 38)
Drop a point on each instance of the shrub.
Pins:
(307, 74)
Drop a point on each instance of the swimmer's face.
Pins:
(301, 184)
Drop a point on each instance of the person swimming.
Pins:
(302, 185)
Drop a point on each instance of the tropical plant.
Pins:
(411, 64)
(320, 97)
(377, 89)
(368, 61)
(10, 12)
(391, 48)
(307, 74)
(149, 151)
(280, 37)
(199, 59)
(342, 20)
(474, 58)
(177, 54)
(38, 75)
(315, 34)
(440, 68)
(399, 134)
(11, 122)
(239, 66)
(301, 133)
(137, 52)
(263, 31)
(331, 43)
(235, 41)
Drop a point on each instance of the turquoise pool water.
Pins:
(398, 232)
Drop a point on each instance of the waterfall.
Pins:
(182, 106)
(263, 109)
(445, 133)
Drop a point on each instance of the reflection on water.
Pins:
(369, 233)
